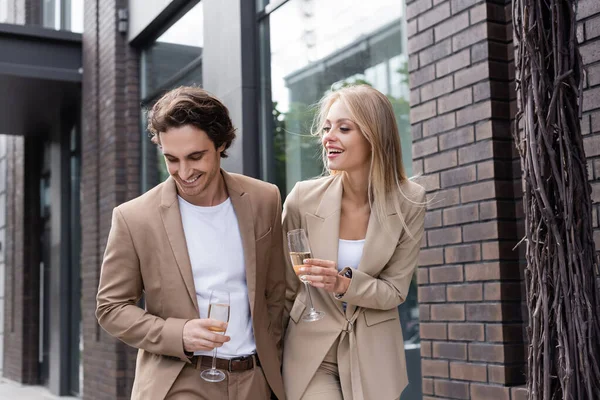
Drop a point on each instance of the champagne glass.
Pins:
(218, 309)
(299, 251)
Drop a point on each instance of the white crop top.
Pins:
(350, 253)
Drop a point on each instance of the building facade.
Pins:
(76, 79)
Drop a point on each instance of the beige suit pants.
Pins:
(325, 384)
(245, 385)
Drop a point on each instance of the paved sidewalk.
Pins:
(13, 391)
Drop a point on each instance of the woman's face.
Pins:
(347, 148)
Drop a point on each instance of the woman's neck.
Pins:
(356, 187)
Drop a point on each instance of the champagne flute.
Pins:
(300, 251)
(218, 309)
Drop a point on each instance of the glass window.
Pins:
(173, 59)
(314, 46)
(3, 11)
(175, 55)
(63, 15)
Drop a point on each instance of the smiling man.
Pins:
(202, 229)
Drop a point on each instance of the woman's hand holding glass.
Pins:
(324, 274)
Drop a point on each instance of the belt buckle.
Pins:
(231, 360)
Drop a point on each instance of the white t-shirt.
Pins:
(216, 253)
(349, 253)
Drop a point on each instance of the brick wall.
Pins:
(3, 216)
(588, 32)
(470, 292)
(110, 158)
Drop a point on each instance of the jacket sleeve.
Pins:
(275, 290)
(120, 288)
(390, 288)
(291, 220)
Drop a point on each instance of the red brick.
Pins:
(455, 62)
(448, 312)
(483, 272)
(422, 275)
(460, 5)
(439, 237)
(471, 75)
(486, 352)
(432, 294)
(420, 41)
(458, 176)
(441, 161)
(447, 274)
(453, 390)
(425, 147)
(455, 100)
(460, 215)
(468, 372)
(432, 330)
(423, 111)
(484, 312)
(456, 138)
(472, 35)
(426, 349)
(486, 392)
(436, 52)
(478, 191)
(435, 368)
(470, 332)
(474, 113)
(437, 88)
(433, 219)
(434, 16)
(518, 393)
(465, 292)
(424, 312)
(480, 231)
(453, 351)
(476, 152)
(443, 198)
(439, 124)
(427, 386)
(462, 253)
(451, 26)
(431, 257)
(478, 13)
(416, 8)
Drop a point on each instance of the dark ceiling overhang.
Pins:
(40, 78)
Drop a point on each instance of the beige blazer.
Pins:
(147, 254)
(371, 348)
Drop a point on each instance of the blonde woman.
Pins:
(364, 223)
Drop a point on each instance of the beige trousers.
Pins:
(245, 385)
(325, 384)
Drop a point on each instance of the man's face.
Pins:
(192, 160)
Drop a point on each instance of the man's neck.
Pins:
(214, 194)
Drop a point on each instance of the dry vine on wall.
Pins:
(562, 290)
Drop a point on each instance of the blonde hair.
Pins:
(372, 111)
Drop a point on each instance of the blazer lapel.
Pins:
(245, 216)
(171, 217)
(380, 244)
(323, 227)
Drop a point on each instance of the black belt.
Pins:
(237, 364)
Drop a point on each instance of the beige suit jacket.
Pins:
(371, 348)
(147, 254)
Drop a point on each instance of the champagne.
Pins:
(298, 261)
(219, 312)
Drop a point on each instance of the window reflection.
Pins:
(176, 54)
(63, 15)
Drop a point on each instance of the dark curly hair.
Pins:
(187, 105)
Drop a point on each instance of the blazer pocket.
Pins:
(374, 317)
(264, 235)
(297, 310)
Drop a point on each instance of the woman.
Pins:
(364, 222)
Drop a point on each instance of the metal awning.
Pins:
(40, 77)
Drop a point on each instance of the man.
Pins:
(201, 229)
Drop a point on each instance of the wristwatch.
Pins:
(346, 272)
